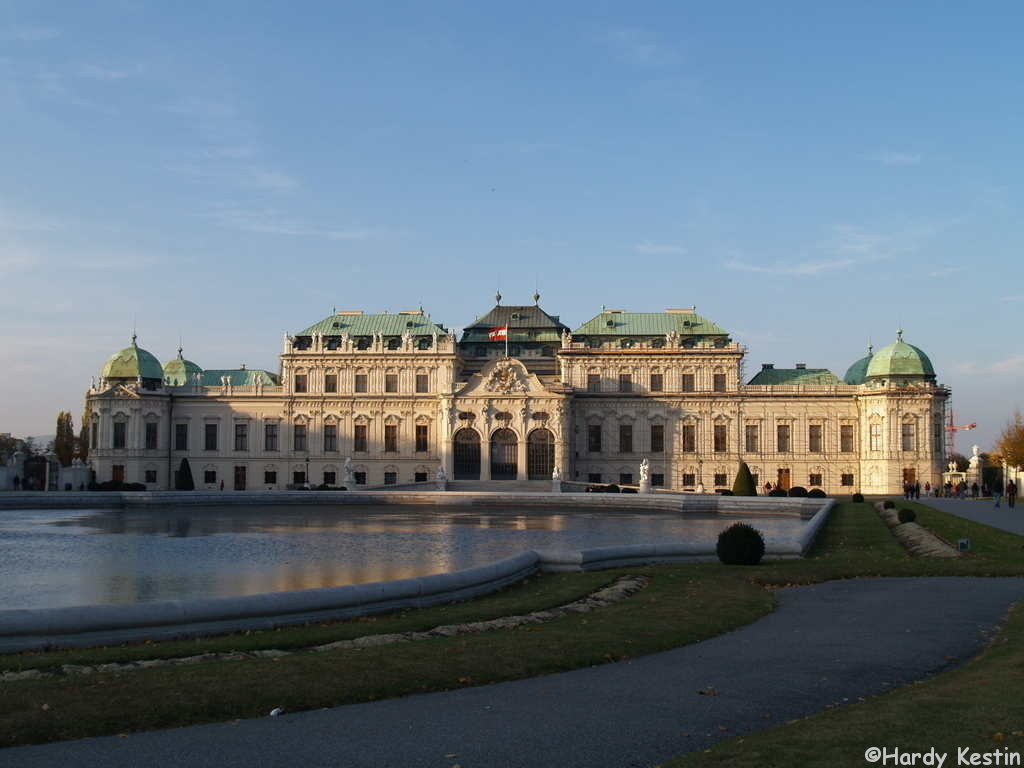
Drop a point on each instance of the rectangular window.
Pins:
(298, 478)
(625, 478)
(300, 382)
(876, 437)
(359, 439)
(593, 382)
(331, 382)
(330, 478)
(721, 438)
(151, 436)
(657, 438)
(210, 476)
(360, 478)
(150, 475)
(908, 436)
(782, 438)
(657, 480)
(689, 382)
(422, 383)
(657, 382)
(814, 479)
(94, 435)
(390, 382)
(117, 473)
(625, 382)
(814, 438)
(689, 480)
(846, 480)
(718, 382)
(330, 438)
(689, 438)
(594, 477)
(241, 437)
(390, 478)
(270, 437)
(625, 438)
(120, 434)
(181, 437)
(361, 382)
(421, 438)
(938, 436)
(391, 438)
(419, 477)
(846, 438)
(720, 480)
(299, 437)
(751, 438)
(270, 478)
(594, 438)
(210, 437)
(755, 480)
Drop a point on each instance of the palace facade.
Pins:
(402, 397)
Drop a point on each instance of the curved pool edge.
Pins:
(41, 628)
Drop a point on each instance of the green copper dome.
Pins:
(132, 363)
(856, 373)
(900, 359)
(179, 371)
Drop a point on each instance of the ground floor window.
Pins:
(814, 479)
(117, 473)
(689, 479)
(754, 477)
(657, 479)
(625, 478)
(330, 478)
(390, 478)
(270, 478)
(299, 478)
(210, 476)
(594, 477)
(150, 475)
(360, 478)
(420, 477)
(846, 480)
(721, 479)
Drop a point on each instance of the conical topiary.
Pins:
(183, 477)
(744, 483)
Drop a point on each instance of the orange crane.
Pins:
(952, 429)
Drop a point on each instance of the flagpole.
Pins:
(507, 329)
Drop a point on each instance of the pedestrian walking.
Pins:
(917, 490)
(974, 490)
(1011, 494)
(997, 494)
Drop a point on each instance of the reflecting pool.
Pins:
(54, 558)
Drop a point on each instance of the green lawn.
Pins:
(682, 604)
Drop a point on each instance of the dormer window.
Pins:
(394, 343)
(363, 342)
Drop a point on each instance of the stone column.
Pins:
(485, 453)
(521, 468)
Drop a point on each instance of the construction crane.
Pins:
(952, 428)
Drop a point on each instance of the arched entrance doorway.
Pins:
(504, 449)
(467, 454)
(540, 454)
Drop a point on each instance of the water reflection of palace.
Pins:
(517, 395)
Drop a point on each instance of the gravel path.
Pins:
(826, 644)
(1003, 516)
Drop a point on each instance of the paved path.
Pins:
(983, 512)
(826, 643)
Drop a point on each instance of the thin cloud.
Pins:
(1018, 297)
(271, 222)
(250, 177)
(93, 72)
(30, 34)
(898, 158)
(805, 268)
(1012, 364)
(657, 249)
(945, 271)
(639, 47)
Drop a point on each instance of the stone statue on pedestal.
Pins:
(645, 476)
(349, 474)
(442, 479)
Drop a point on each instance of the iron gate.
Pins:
(467, 454)
(504, 447)
(540, 454)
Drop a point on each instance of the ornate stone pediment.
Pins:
(505, 378)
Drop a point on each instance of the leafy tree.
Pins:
(743, 485)
(64, 441)
(1010, 446)
(82, 444)
(183, 477)
(8, 445)
(961, 461)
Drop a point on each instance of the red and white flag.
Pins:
(498, 334)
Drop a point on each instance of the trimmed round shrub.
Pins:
(858, 498)
(817, 493)
(740, 544)
(777, 492)
(888, 504)
(629, 490)
(611, 488)
(798, 491)
(724, 492)
(906, 515)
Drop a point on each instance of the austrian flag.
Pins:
(498, 334)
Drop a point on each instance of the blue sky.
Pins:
(811, 176)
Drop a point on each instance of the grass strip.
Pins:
(681, 605)
(977, 706)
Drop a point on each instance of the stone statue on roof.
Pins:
(566, 339)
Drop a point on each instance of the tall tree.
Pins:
(1010, 446)
(64, 442)
(82, 444)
